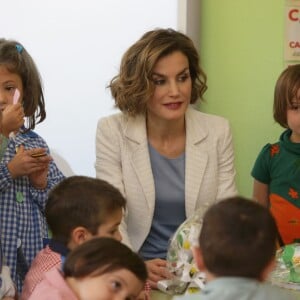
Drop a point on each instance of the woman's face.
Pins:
(173, 86)
(116, 285)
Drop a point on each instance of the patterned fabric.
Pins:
(22, 207)
(278, 166)
(3, 145)
(45, 260)
(53, 287)
(147, 289)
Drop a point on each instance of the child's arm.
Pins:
(261, 193)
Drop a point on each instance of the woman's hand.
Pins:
(24, 164)
(157, 270)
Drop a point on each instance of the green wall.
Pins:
(241, 52)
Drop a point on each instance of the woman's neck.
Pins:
(165, 129)
(168, 138)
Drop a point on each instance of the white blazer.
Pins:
(122, 158)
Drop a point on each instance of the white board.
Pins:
(77, 46)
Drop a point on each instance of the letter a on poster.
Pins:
(292, 31)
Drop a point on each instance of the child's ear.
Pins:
(79, 235)
(198, 257)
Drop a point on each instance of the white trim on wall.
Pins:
(188, 18)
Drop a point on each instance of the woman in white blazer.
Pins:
(167, 158)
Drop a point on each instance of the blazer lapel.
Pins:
(196, 161)
(138, 147)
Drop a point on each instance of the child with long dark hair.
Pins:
(27, 171)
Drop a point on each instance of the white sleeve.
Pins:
(226, 177)
(108, 163)
(7, 286)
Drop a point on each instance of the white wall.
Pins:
(77, 46)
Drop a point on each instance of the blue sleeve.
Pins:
(5, 177)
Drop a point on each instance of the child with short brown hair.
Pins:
(78, 209)
(237, 246)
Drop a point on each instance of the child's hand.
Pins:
(38, 179)
(24, 164)
(12, 118)
(144, 295)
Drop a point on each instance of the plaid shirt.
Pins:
(45, 260)
(22, 206)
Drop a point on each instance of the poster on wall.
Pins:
(292, 31)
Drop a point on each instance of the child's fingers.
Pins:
(20, 149)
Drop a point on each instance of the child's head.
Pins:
(18, 71)
(81, 207)
(104, 269)
(238, 238)
(287, 94)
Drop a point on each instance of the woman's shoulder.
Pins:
(207, 122)
(121, 122)
(116, 118)
(205, 117)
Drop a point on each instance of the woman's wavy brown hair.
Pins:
(133, 86)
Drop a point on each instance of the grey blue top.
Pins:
(169, 211)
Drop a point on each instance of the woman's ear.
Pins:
(198, 257)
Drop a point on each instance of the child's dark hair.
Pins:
(238, 238)
(17, 60)
(285, 93)
(102, 255)
(81, 201)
